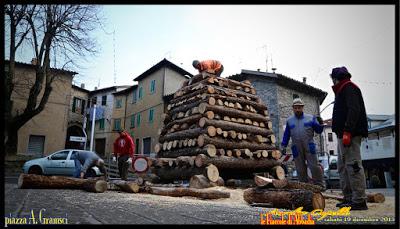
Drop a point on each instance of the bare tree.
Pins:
(65, 28)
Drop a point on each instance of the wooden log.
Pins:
(285, 184)
(265, 153)
(262, 124)
(220, 102)
(126, 186)
(233, 120)
(233, 183)
(371, 197)
(219, 131)
(187, 120)
(244, 136)
(237, 152)
(240, 120)
(212, 173)
(221, 152)
(217, 116)
(226, 162)
(227, 144)
(157, 148)
(240, 136)
(276, 154)
(165, 144)
(175, 144)
(232, 134)
(32, 181)
(226, 118)
(200, 181)
(286, 199)
(207, 89)
(231, 112)
(211, 131)
(167, 174)
(179, 192)
(246, 82)
(225, 125)
(225, 134)
(185, 161)
(229, 153)
(169, 147)
(209, 150)
(278, 172)
(183, 134)
(260, 107)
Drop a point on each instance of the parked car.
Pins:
(331, 173)
(59, 163)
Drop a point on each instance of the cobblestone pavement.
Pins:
(114, 207)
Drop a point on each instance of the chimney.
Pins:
(258, 69)
(304, 80)
(95, 88)
(273, 70)
(82, 85)
(34, 61)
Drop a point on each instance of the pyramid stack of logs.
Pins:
(213, 123)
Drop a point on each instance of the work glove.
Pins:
(320, 121)
(346, 139)
(129, 160)
(114, 159)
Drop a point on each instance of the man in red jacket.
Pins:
(124, 148)
(209, 65)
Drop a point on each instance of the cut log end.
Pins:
(211, 150)
(212, 173)
(318, 201)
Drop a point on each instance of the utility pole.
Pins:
(92, 131)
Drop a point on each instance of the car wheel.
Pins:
(35, 170)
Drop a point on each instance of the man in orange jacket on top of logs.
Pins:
(212, 65)
(124, 149)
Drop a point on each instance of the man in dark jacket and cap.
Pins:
(349, 122)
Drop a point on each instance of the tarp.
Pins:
(99, 113)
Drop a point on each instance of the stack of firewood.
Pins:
(216, 127)
(284, 194)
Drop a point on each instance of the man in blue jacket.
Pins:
(349, 122)
(84, 160)
(301, 127)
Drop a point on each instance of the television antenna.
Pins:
(115, 72)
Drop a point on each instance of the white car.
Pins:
(59, 163)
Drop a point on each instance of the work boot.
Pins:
(359, 206)
(344, 203)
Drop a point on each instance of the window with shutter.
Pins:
(133, 121)
(73, 104)
(83, 107)
(36, 145)
(151, 115)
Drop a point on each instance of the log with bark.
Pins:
(179, 192)
(167, 174)
(32, 181)
(184, 134)
(126, 186)
(286, 184)
(285, 198)
(225, 125)
(228, 144)
(232, 112)
(226, 162)
(210, 150)
(371, 197)
(200, 181)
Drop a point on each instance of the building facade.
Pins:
(146, 102)
(76, 133)
(329, 139)
(105, 124)
(45, 132)
(378, 153)
(277, 92)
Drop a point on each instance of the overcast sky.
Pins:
(299, 40)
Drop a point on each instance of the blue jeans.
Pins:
(78, 166)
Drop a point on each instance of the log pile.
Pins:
(285, 194)
(215, 121)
